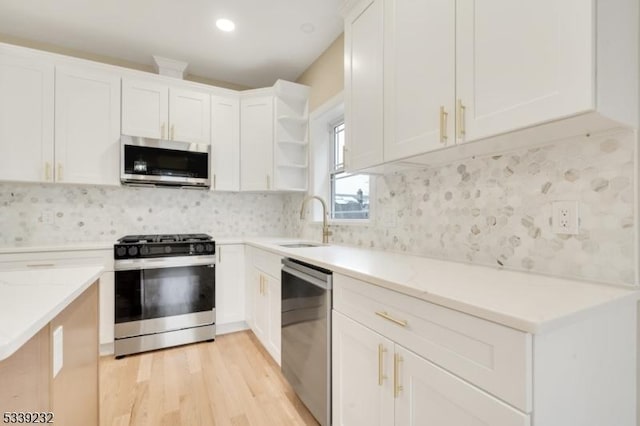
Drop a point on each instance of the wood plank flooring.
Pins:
(232, 381)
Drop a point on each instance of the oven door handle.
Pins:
(165, 262)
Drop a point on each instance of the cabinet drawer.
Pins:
(55, 259)
(491, 356)
(267, 262)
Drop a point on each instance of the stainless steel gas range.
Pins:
(164, 291)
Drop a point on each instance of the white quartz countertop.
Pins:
(30, 299)
(527, 302)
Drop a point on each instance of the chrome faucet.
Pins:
(325, 215)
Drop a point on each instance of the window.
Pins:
(349, 192)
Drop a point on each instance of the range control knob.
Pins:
(121, 251)
(144, 250)
(133, 251)
(199, 248)
(209, 248)
(167, 249)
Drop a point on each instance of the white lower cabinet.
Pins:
(378, 382)
(264, 292)
(362, 388)
(230, 288)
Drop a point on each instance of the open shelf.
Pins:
(294, 142)
(290, 119)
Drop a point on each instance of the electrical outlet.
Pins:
(47, 217)
(566, 217)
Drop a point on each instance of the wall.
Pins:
(496, 211)
(5, 38)
(103, 214)
(325, 75)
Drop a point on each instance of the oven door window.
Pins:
(163, 292)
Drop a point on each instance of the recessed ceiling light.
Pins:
(307, 28)
(225, 25)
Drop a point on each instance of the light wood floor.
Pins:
(231, 381)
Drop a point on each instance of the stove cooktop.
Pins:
(163, 245)
(164, 238)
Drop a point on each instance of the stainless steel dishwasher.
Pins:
(306, 335)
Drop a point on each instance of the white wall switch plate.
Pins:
(58, 343)
(566, 217)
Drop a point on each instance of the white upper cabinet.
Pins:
(87, 126)
(152, 109)
(363, 86)
(508, 74)
(189, 116)
(256, 143)
(523, 63)
(26, 118)
(225, 143)
(145, 109)
(419, 76)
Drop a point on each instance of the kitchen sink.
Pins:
(300, 245)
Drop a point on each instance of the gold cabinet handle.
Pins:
(397, 387)
(162, 128)
(444, 116)
(260, 284)
(385, 315)
(460, 121)
(41, 265)
(47, 171)
(214, 181)
(381, 376)
(268, 182)
(220, 254)
(59, 174)
(173, 131)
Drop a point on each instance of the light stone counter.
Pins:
(30, 299)
(527, 302)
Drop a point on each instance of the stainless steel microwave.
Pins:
(158, 162)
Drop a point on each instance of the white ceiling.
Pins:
(268, 43)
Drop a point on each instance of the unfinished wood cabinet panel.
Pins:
(77, 381)
(24, 377)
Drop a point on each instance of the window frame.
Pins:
(334, 171)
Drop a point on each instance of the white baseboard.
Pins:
(231, 327)
(106, 349)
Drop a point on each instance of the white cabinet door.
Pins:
(260, 307)
(145, 109)
(523, 63)
(274, 294)
(225, 141)
(363, 85)
(190, 116)
(26, 119)
(362, 375)
(256, 143)
(419, 76)
(107, 307)
(230, 284)
(429, 395)
(87, 122)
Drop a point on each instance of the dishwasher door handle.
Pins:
(307, 278)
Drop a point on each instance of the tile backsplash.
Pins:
(496, 210)
(103, 214)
